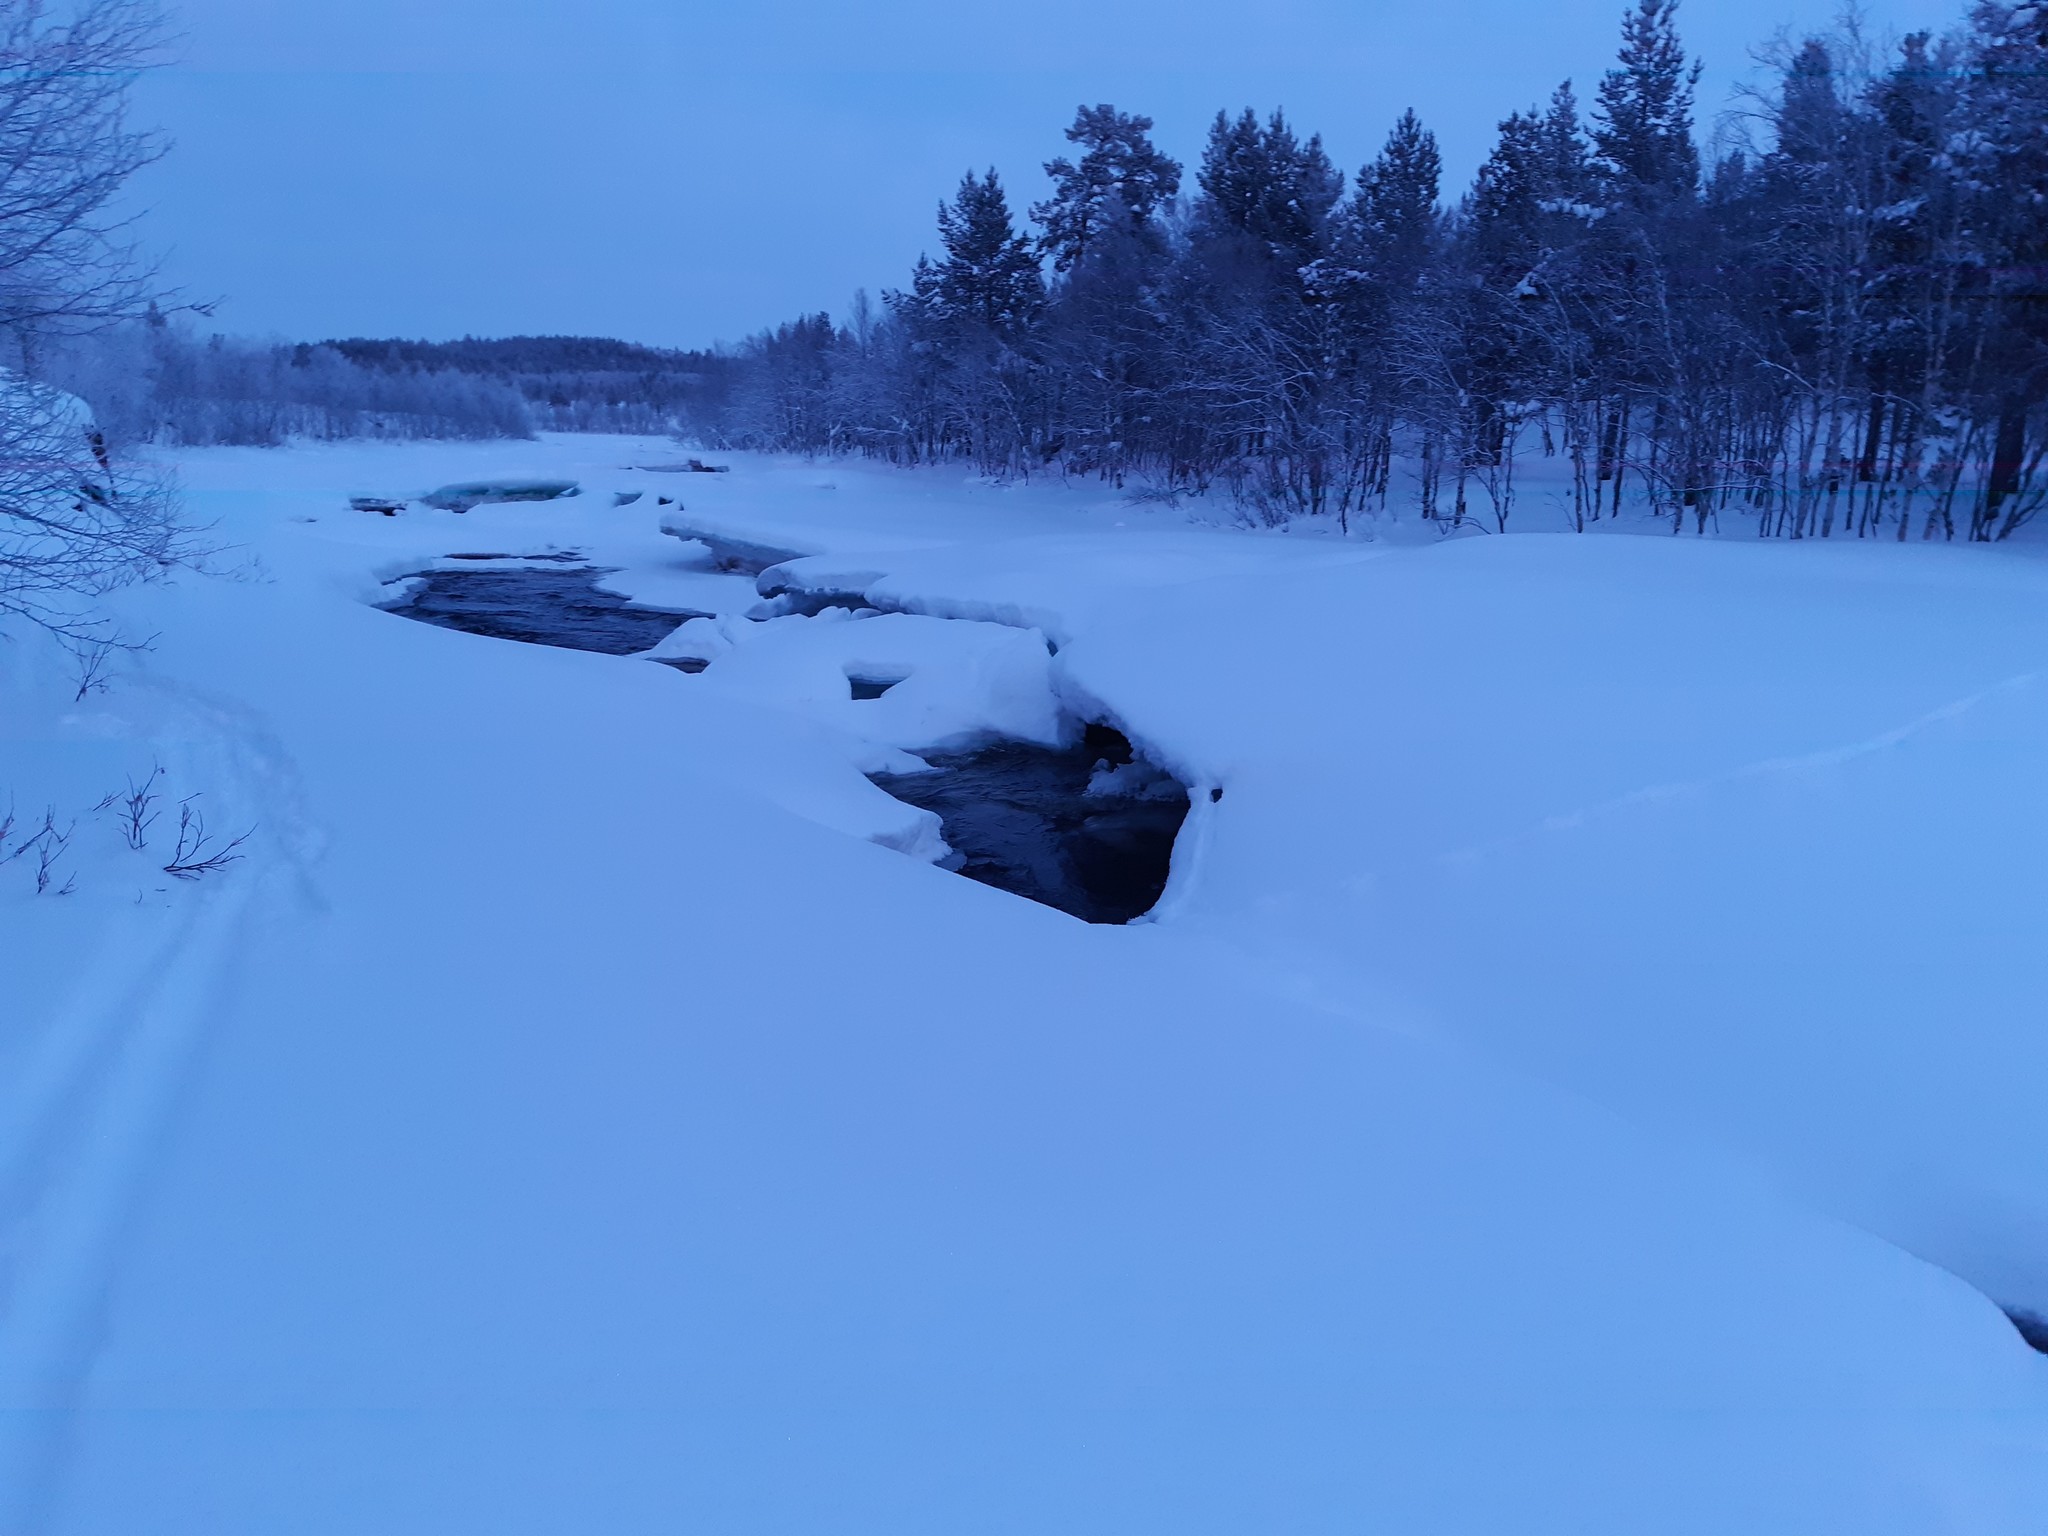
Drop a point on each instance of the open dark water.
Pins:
(541, 607)
(1020, 818)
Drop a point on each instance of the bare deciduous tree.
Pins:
(74, 526)
(66, 148)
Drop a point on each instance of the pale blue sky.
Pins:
(679, 171)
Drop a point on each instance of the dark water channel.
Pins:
(542, 607)
(1020, 817)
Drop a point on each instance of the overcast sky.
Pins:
(681, 171)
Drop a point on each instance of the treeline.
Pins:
(153, 381)
(1839, 326)
(569, 383)
(156, 381)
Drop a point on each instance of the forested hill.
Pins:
(506, 356)
(570, 383)
(156, 381)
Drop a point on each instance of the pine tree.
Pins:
(1643, 126)
(1566, 170)
(1530, 198)
(1264, 184)
(1120, 182)
(2005, 165)
(990, 278)
(1506, 206)
(1396, 203)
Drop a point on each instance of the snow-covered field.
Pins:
(1582, 1078)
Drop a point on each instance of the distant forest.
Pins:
(158, 382)
(1831, 320)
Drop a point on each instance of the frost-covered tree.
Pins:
(72, 526)
(66, 148)
(157, 382)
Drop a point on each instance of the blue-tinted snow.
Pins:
(587, 1111)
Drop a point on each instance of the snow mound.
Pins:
(474, 493)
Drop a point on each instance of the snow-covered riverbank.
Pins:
(1594, 1005)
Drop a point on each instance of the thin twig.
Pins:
(193, 857)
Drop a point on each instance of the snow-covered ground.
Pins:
(1581, 1077)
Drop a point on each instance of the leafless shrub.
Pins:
(50, 845)
(45, 842)
(90, 660)
(138, 811)
(198, 853)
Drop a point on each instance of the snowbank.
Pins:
(570, 1122)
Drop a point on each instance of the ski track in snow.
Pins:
(112, 1071)
(1805, 762)
(81, 1123)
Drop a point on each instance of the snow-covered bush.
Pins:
(74, 524)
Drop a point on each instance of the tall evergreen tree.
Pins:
(1643, 124)
(1119, 183)
(1396, 203)
(990, 278)
(1264, 184)
(1567, 169)
(1506, 206)
(1531, 197)
(2005, 166)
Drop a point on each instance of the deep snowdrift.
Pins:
(587, 1109)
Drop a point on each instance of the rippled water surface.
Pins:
(542, 607)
